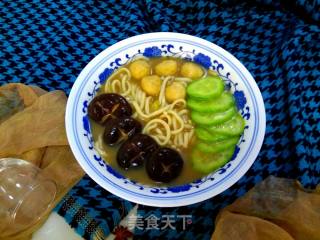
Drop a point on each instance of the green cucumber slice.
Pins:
(212, 118)
(218, 104)
(206, 88)
(206, 136)
(209, 162)
(215, 147)
(233, 127)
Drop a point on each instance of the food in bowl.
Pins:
(109, 175)
(165, 120)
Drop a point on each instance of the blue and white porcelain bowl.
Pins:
(237, 78)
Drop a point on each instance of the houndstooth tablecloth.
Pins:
(47, 43)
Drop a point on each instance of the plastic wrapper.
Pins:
(32, 128)
(275, 209)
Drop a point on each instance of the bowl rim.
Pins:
(159, 202)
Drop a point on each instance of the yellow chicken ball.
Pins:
(175, 91)
(166, 68)
(139, 69)
(191, 70)
(151, 85)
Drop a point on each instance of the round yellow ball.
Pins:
(191, 70)
(167, 68)
(151, 85)
(139, 69)
(175, 91)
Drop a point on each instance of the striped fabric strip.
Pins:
(92, 211)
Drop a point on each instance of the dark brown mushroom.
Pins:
(108, 105)
(119, 130)
(136, 150)
(164, 165)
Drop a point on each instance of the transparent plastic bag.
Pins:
(274, 209)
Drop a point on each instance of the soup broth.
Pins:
(139, 174)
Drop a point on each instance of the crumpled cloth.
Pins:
(32, 128)
(275, 209)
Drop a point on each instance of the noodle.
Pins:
(99, 147)
(179, 119)
(183, 79)
(167, 123)
(162, 99)
(154, 124)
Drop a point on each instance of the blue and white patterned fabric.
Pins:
(47, 43)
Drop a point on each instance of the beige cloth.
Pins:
(32, 128)
(276, 209)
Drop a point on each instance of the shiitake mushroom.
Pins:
(164, 165)
(108, 105)
(136, 150)
(119, 130)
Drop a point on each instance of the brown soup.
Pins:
(155, 102)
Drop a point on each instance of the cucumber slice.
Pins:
(206, 88)
(209, 162)
(212, 118)
(215, 147)
(233, 127)
(206, 136)
(219, 104)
